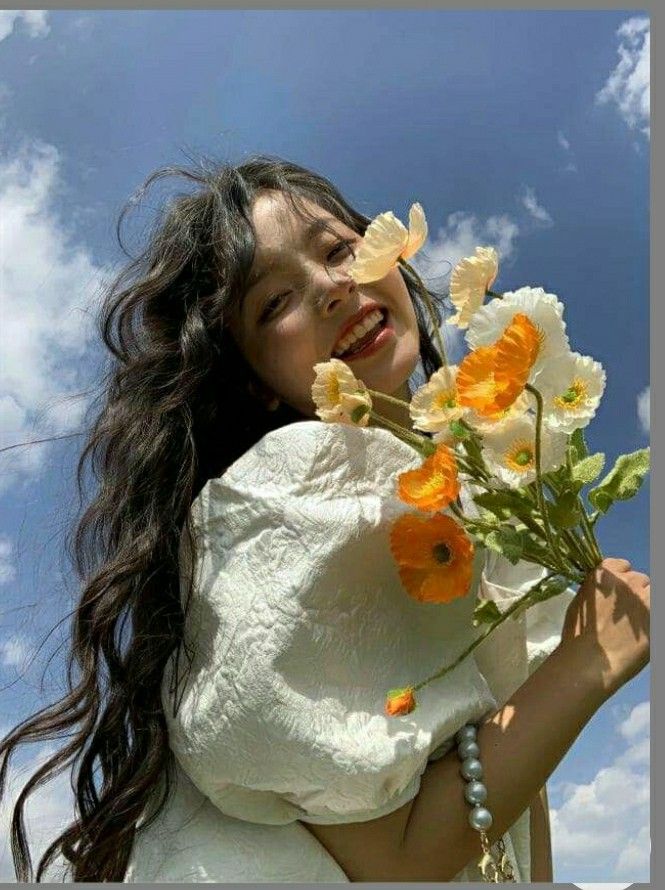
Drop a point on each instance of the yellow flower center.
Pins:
(442, 553)
(521, 456)
(445, 400)
(333, 389)
(573, 397)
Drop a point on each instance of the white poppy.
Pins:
(572, 386)
(472, 277)
(510, 452)
(337, 392)
(386, 240)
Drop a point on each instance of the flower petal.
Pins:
(469, 282)
(337, 392)
(381, 247)
(417, 231)
(434, 557)
(434, 485)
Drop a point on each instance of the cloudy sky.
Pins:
(526, 130)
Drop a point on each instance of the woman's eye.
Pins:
(271, 304)
(344, 245)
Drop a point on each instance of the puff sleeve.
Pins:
(518, 646)
(299, 625)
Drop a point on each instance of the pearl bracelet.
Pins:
(493, 870)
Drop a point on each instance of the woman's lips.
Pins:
(384, 335)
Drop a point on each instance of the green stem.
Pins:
(422, 445)
(492, 293)
(587, 528)
(532, 554)
(375, 393)
(539, 479)
(579, 545)
(478, 640)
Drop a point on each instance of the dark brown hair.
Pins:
(174, 413)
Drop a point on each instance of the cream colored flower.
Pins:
(572, 386)
(337, 392)
(386, 239)
(472, 277)
(544, 310)
(434, 405)
(483, 424)
(510, 452)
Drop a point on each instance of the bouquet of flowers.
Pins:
(507, 422)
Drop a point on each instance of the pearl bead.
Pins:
(475, 792)
(472, 768)
(468, 748)
(467, 732)
(480, 818)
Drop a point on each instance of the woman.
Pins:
(230, 717)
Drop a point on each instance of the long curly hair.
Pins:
(174, 413)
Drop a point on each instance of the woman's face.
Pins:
(301, 297)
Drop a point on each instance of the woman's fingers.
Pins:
(641, 579)
(616, 564)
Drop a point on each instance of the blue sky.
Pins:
(526, 130)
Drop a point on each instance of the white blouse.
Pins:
(299, 625)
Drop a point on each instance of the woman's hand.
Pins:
(606, 628)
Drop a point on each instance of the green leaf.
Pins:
(623, 481)
(459, 430)
(507, 541)
(549, 588)
(359, 412)
(541, 591)
(486, 611)
(589, 469)
(565, 512)
(578, 446)
(503, 504)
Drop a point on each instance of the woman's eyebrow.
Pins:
(315, 228)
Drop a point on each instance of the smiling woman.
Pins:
(303, 256)
(241, 616)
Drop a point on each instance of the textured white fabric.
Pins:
(299, 625)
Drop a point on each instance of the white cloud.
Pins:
(529, 200)
(563, 142)
(628, 86)
(636, 723)
(644, 409)
(48, 286)
(48, 811)
(598, 823)
(7, 567)
(459, 237)
(34, 20)
(14, 652)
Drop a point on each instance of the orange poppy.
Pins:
(490, 378)
(433, 485)
(517, 350)
(400, 701)
(434, 556)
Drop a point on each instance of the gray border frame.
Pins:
(657, 264)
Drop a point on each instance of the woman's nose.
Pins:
(338, 286)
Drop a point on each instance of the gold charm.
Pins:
(495, 871)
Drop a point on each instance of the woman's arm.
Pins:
(541, 842)
(521, 744)
(605, 641)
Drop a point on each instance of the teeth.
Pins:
(368, 322)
